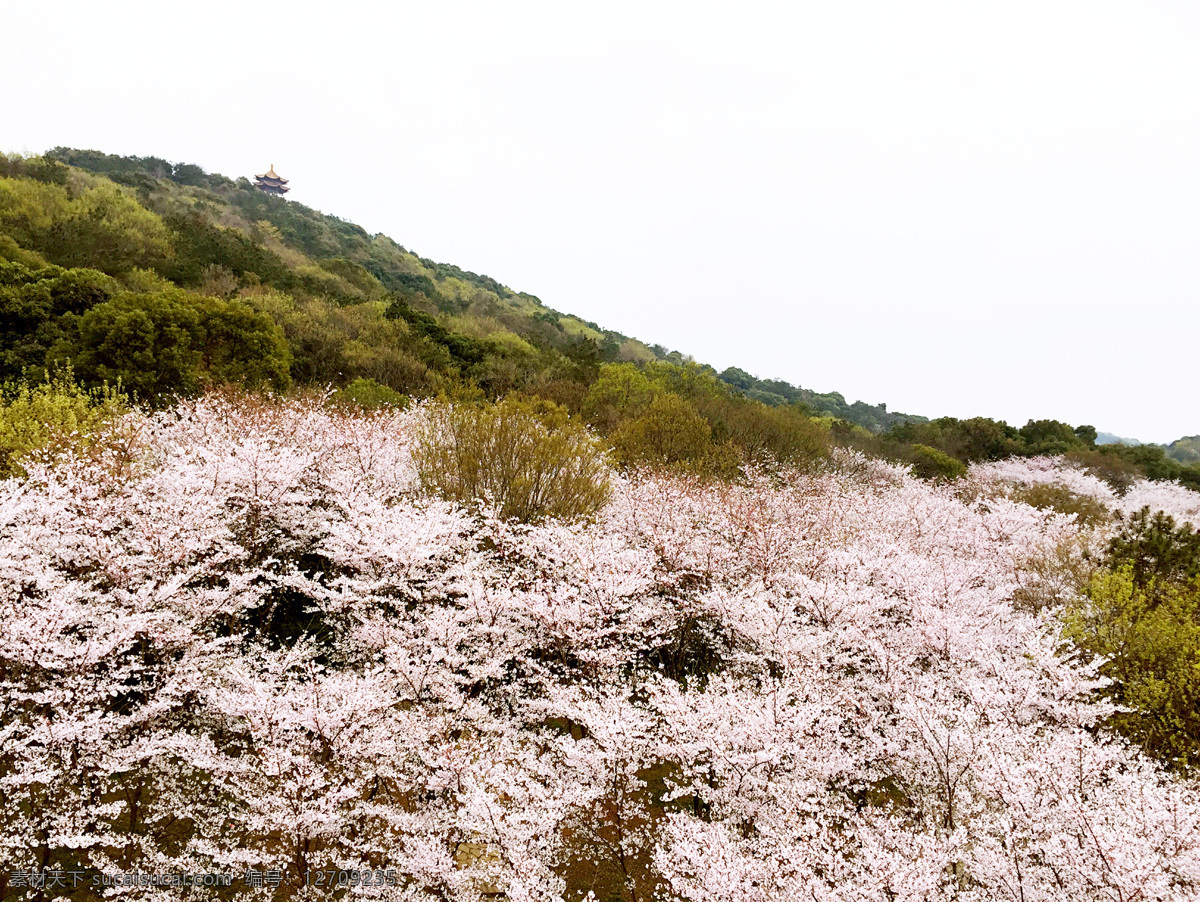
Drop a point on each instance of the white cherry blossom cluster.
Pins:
(251, 643)
(1181, 503)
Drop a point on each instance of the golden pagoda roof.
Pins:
(270, 174)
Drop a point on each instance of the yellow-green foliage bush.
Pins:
(370, 395)
(621, 391)
(1047, 496)
(13, 252)
(529, 458)
(930, 463)
(335, 344)
(317, 280)
(670, 432)
(94, 225)
(1143, 616)
(766, 434)
(1151, 638)
(684, 417)
(52, 417)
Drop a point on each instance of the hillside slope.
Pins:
(166, 279)
(227, 230)
(1186, 449)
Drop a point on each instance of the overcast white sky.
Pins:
(958, 208)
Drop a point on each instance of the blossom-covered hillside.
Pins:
(1181, 503)
(236, 637)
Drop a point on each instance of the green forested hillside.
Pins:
(351, 305)
(1186, 449)
(225, 237)
(163, 279)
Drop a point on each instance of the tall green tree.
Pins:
(241, 346)
(33, 304)
(151, 344)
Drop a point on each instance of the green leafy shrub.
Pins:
(1143, 616)
(1150, 635)
(1152, 462)
(978, 438)
(766, 434)
(199, 244)
(12, 252)
(51, 417)
(33, 304)
(930, 463)
(149, 343)
(1051, 437)
(240, 346)
(463, 350)
(357, 275)
(99, 227)
(41, 169)
(670, 432)
(163, 343)
(527, 457)
(370, 395)
(334, 344)
(621, 391)
(1047, 496)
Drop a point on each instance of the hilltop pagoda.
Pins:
(271, 183)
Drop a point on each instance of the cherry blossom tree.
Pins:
(239, 639)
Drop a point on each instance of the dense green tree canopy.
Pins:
(150, 344)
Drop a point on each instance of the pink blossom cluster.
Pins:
(1181, 503)
(253, 644)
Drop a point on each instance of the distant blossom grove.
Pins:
(1169, 497)
(237, 637)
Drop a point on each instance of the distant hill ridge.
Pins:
(327, 239)
(1107, 438)
(166, 278)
